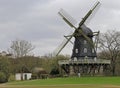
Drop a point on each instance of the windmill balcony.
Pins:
(84, 61)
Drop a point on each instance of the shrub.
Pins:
(11, 78)
(54, 72)
(34, 76)
(2, 77)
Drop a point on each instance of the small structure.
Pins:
(39, 73)
(23, 74)
(26, 76)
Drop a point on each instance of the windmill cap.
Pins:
(87, 30)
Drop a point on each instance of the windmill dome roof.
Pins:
(87, 30)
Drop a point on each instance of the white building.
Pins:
(26, 76)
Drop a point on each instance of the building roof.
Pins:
(39, 70)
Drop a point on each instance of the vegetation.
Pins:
(109, 45)
(2, 77)
(83, 82)
(4, 69)
(20, 48)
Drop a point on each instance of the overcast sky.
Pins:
(38, 22)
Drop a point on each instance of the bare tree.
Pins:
(20, 48)
(109, 44)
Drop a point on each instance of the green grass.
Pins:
(72, 80)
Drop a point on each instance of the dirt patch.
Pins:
(111, 86)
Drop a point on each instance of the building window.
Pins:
(76, 50)
(85, 50)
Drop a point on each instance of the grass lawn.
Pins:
(73, 82)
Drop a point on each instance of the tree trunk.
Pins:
(113, 70)
(21, 76)
(113, 67)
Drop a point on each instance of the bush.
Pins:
(34, 76)
(2, 77)
(11, 78)
(4, 69)
(54, 72)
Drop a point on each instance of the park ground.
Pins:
(70, 82)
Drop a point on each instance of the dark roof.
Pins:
(24, 70)
(87, 30)
(39, 70)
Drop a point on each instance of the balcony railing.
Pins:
(84, 61)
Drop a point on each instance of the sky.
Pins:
(38, 22)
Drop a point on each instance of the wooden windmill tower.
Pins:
(84, 57)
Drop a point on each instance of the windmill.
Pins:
(83, 44)
(83, 58)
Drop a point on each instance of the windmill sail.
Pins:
(62, 45)
(67, 18)
(88, 14)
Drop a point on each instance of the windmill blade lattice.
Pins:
(67, 18)
(62, 45)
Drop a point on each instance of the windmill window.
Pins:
(93, 51)
(85, 42)
(85, 50)
(76, 50)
